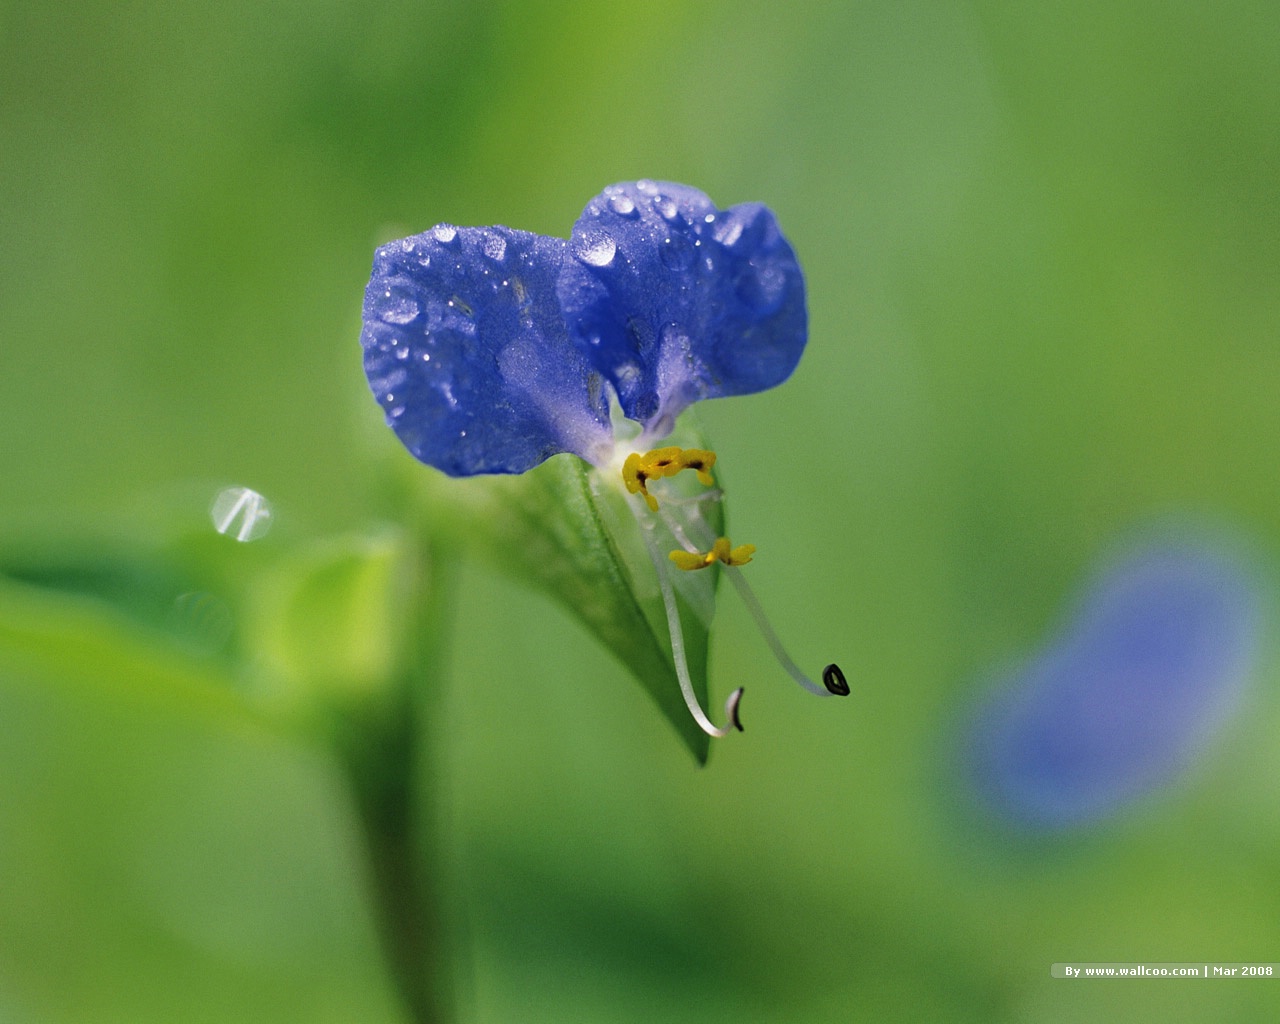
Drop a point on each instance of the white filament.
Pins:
(748, 598)
(662, 566)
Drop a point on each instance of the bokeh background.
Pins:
(1043, 252)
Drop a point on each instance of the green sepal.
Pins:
(564, 528)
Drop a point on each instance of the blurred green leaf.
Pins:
(333, 616)
(152, 818)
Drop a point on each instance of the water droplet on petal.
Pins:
(728, 231)
(677, 253)
(445, 234)
(396, 306)
(627, 375)
(240, 513)
(495, 247)
(596, 248)
(666, 206)
(623, 206)
(646, 185)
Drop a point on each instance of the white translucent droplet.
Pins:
(444, 233)
(729, 231)
(495, 247)
(396, 306)
(596, 248)
(627, 374)
(622, 205)
(667, 207)
(242, 506)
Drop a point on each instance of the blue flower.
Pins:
(1147, 672)
(491, 350)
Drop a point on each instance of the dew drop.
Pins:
(627, 375)
(396, 306)
(495, 247)
(623, 206)
(666, 206)
(242, 506)
(677, 253)
(646, 185)
(728, 232)
(596, 248)
(445, 234)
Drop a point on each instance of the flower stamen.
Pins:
(693, 558)
(703, 549)
(691, 561)
(639, 469)
(679, 657)
(831, 675)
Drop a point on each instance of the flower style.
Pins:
(492, 349)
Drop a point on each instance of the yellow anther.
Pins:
(701, 461)
(639, 469)
(637, 480)
(720, 552)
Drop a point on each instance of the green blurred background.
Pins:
(1043, 252)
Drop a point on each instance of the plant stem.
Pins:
(386, 750)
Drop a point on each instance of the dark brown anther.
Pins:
(833, 679)
(734, 699)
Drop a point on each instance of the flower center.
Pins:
(700, 549)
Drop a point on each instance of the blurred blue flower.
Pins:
(490, 349)
(1151, 666)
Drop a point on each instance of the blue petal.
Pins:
(675, 301)
(465, 349)
(1152, 666)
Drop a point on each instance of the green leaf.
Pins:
(333, 616)
(566, 530)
